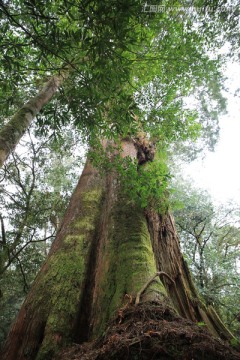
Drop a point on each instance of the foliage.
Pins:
(91, 38)
(109, 49)
(145, 185)
(210, 239)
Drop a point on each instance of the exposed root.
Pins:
(160, 274)
(148, 283)
(150, 331)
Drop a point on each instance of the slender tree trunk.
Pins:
(104, 254)
(201, 268)
(12, 132)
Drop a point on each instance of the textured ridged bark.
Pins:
(11, 133)
(106, 250)
(182, 292)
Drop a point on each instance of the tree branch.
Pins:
(3, 241)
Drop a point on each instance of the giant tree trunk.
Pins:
(104, 254)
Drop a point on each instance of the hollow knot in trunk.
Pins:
(145, 149)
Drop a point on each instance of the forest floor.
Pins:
(152, 332)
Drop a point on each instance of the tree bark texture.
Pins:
(105, 252)
(12, 132)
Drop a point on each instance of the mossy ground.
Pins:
(152, 331)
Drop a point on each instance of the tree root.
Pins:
(148, 283)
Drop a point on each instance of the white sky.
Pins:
(219, 172)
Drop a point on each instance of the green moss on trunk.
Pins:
(126, 262)
(49, 313)
(65, 276)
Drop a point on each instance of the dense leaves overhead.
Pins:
(40, 38)
(122, 60)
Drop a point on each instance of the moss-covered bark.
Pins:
(125, 263)
(106, 250)
(48, 315)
